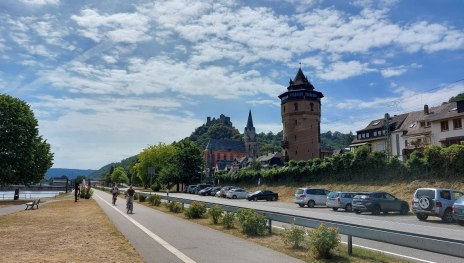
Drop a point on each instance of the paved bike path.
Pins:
(160, 237)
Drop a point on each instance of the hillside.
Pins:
(70, 173)
(105, 169)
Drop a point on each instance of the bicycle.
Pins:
(130, 204)
(115, 197)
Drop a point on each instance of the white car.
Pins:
(237, 193)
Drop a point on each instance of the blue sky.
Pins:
(106, 79)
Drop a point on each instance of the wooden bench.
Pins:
(32, 204)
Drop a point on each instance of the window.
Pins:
(422, 124)
(284, 108)
(296, 106)
(367, 135)
(444, 126)
(296, 122)
(375, 123)
(457, 124)
(359, 136)
(311, 105)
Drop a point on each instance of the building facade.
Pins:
(440, 126)
(301, 118)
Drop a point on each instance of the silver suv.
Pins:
(311, 196)
(434, 202)
(343, 200)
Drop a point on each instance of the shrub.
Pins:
(154, 200)
(215, 212)
(155, 187)
(142, 197)
(294, 236)
(228, 220)
(174, 206)
(322, 240)
(195, 210)
(252, 223)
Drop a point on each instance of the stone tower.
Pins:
(301, 118)
(249, 137)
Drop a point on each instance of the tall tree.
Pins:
(156, 156)
(25, 156)
(119, 176)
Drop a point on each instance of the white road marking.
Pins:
(155, 237)
(378, 250)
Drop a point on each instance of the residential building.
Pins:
(440, 125)
(301, 117)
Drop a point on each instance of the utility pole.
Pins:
(386, 124)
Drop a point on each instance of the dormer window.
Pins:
(412, 125)
(375, 123)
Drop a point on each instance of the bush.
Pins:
(155, 187)
(154, 200)
(252, 223)
(195, 210)
(215, 212)
(322, 240)
(228, 220)
(294, 236)
(174, 206)
(142, 197)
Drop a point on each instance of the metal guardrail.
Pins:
(440, 245)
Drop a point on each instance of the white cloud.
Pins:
(41, 2)
(119, 27)
(343, 70)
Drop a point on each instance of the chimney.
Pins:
(426, 109)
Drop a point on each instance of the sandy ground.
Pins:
(63, 231)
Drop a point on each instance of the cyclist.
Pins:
(115, 192)
(130, 199)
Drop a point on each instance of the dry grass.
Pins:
(63, 231)
(403, 190)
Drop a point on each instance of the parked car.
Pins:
(213, 190)
(191, 188)
(458, 210)
(377, 202)
(343, 200)
(237, 193)
(435, 202)
(201, 187)
(263, 195)
(224, 190)
(204, 191)
(311, 196)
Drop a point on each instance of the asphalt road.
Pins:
(409, 223)
(160, 237)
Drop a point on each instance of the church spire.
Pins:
(250, 120)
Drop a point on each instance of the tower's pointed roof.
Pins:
(250, 120)
(300, 82)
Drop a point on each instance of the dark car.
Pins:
(458, 210)
(213, 190)
(263, 195)
(377, 202)
(204, 191)
(201, 187)
(191, 188)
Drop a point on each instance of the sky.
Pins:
(106, 79)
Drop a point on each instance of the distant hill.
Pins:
(105, 169)
(70, 173)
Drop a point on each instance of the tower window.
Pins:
(296, 152)
(296, 122)
(295, 137)
(284, 108)
(296, 106)
(311, 105)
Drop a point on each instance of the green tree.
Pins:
(25, 156)
(156, 156)
(458, 97)
(119, 175)
(189, 161)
